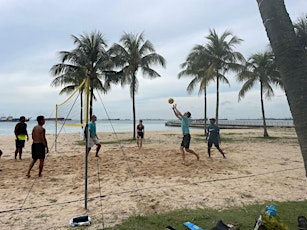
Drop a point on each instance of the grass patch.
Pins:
(244, 217)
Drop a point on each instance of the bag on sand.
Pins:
(269, 220)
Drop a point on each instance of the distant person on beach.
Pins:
(21, 135)
(39, 146)
(186, 139)
(93, 140)
(213, 137)
(0, 156)
(140, 133)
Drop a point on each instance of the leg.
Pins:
(209, 151)
(97, 149)
(138, 142)
(16, 153)
(183, 154)
(41, 166)
(221, 151)
(31, 166)
(141, 142)
(20, 153)
(194, 153)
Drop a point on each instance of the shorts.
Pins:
(93, 141)
(215, 143)
(140, 135)
(20, 143)
(186, 141)
(38, 151)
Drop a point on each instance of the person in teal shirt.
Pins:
(93, 139)
(213, 136)
(186, 139)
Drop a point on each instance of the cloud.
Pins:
(33, 32)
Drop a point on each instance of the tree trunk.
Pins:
(265, 131)
(217, 97)
(291, 62)
(205, 110)
(133, 106)
(81, 109)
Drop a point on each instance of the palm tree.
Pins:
(89, 59)
(300, 28)
(291, 62)
(223, 58)
(196, 65)
(133, 54)
(260, 68)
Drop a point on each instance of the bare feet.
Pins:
(28, 175)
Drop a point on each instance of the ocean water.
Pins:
(7, 128)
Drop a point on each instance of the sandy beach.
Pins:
(126, 181)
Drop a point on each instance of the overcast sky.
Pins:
(32, 33)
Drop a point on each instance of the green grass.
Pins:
(244, 217)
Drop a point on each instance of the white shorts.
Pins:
(93, 141)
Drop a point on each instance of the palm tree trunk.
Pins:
(205, 110)
(265, 131)
(291, 62)
(133, 107)
(217, 97)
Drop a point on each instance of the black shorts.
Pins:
(20, 143)
(186, 141)
(140, 135)
(215, 143)
(38, 151)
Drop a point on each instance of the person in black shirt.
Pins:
(21, 136)
(140, 133)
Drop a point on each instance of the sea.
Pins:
(114, 126)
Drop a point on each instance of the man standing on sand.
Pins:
(213, 136)
(185, 144)
(39, 146)
(140, 134)
(21, 136)
(93, 140)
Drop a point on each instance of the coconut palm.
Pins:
(223, 58)
(131, 55)
(291, 62)
(260, 68)
(300, 27)
(196, 66)
(89, 59)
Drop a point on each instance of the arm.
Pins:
(44, 139)
(177, 112)
(15, 131)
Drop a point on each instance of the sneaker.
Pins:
(302, 223)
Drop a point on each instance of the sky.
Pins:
(33, 32)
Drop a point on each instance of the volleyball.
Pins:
(171, 100)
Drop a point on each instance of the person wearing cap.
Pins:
(186, 139)
(93, 140)
(213, 137)
(140, 133)
(21, 135)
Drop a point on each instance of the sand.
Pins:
(126, 181)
